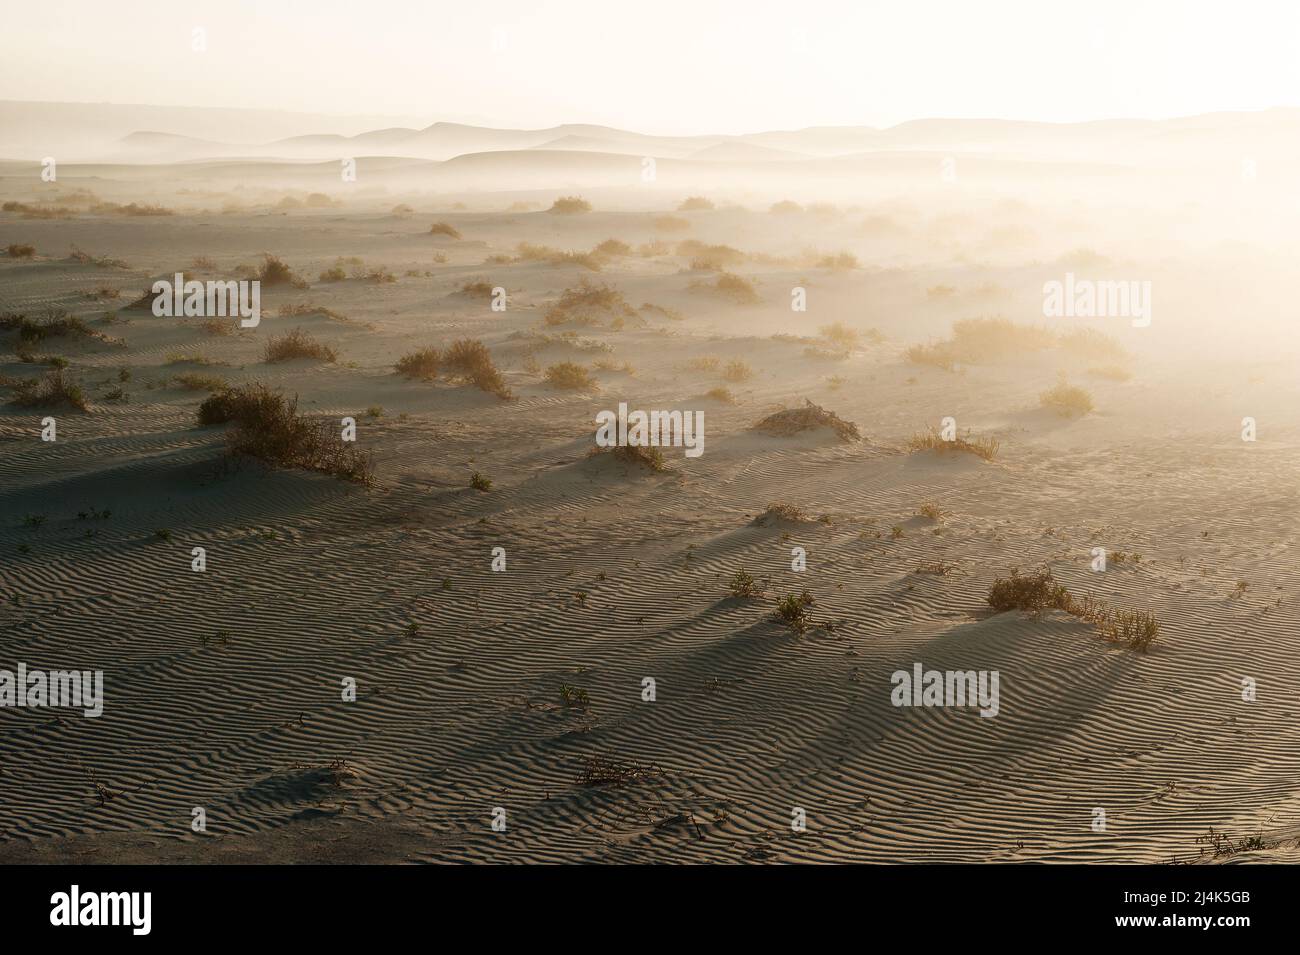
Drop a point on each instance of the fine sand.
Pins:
(223, 690)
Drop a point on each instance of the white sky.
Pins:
(663, 66)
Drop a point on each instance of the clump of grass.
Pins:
(51, 390)
(1035, 592)
(334, 273)
(56, 324)
(274, 271)
(737, 371)
(985, 447)
(840, 334)
(723, 395)
(931, 511)
(574, 696)
(421, 363)
(600, 771)
(695, 204)
(587, 303)
(269, 428)
(570, 376)
(792, 610)
(837, 262)
(18, 250)
(476, 289)
(444, 228)
(544, 253)
(1066, 400)
(710, 258)
(470, 360)
(730, 286)
(570, 206)
(780, 511)
(743, 585)
(192, 381)
(811, 416)
(480, 483)
(704, 363)
(635, 455)
(297, 344)
(190, 358)
(612, 248)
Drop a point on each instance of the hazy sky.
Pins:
(664, 65)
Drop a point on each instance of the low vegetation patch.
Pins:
(811, 416)
(297, 344)
(18, 250)
(1035, 592)
(421, 363)
(52, 390)
(1069, 401)
(269, 428)
(469, 360)
(570, 376)
(635, 455)
(444, 228)
(570, 206)
(734, 288)
(985, 447)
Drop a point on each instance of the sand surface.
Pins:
(223, 688)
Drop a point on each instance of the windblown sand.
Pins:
(223, 689)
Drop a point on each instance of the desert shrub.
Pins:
(297, 344)
(570, 205)
(710, 258)
(840, 334)
(792, 610)
(470, 360)
(1067, 400)
(569, 376)
(612, 247)
(275, 272)
(53, 389)
(938, 354)
(444, 228)
(811, 416)
(931, 511)
(56, 324)
(780, 511)
(730, 286)
(269, 428)
(930, 440)
(421, 363)
(743, 585)
(334, 273)
(20, 251)
(587, 303)
(192, 381)
(786, 206)
(704, 363)
(1138, 629)
(990, 339)
(695, 204)
(723, 395)
(380, 274)
(480, 483)
(636, 455)
(737, 371)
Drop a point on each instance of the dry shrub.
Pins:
(269, 428)
(444, 228)
(275, 272)
(56, 324)
(1138, 629)
(838, 262)
(737, 371)
(786, 206)
(811, 416)
(695, 204)
(570, 376)
(192, 381)
(723, 395)
(334, 273)
(1066, 400)
(643, 456)
(570, 205)
(421, 363)
(469, 359)
(53, 389)
(611, 248)
(600, 771)
(703, 363)
(587, 303)
(930, 440)
(20, 251)
(840, 334)
(710, 258)
(781, 512)
(732, 287)
(297, 344)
